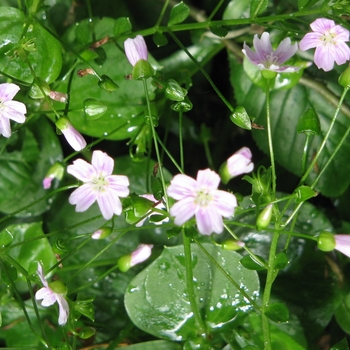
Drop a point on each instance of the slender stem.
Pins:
(180, 141)
(169, 155)
(216, 9)
(305, 152)
(154, 134)
(331, 157)
(271, 275)
(37, 201)
(208, 153)
(190, 285)
(227, 103)
(269, 137)
(162, 13)
(323, 144)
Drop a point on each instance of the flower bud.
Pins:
(264, 218)
(39, 89)
(106, 83)
(102, 233)
(55, 172)
(326, 241)
(232, 244)
(58, 96)
(142, 253)
(239, 163)
(344, 79)
(136, 49)
(174, 91)
(73, 137)
(240, 118)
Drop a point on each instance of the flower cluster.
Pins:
(329, 40)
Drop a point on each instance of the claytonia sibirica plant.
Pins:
(51, 293)
(119, 174)
(202, 199)
(268, 59)
(99, 185)
(10, 109)
(329, 40)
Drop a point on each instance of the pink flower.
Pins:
(239, 163)
(10, 109)
(342, 244)
(329, 40)
(202, 199)
(50, 296)
(266, 58)
(136, 49)
(73, 137)
(56, 171)
(99, 185)
(160, 206)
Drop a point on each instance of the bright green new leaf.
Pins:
(178, 13)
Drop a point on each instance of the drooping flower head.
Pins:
(99, 185)
(202, 199)
(268, 59)
(73, 137)
(51, 293)
(141, 254)
(10, 109)
(137, 54)
(329, 40)
(136, 49)
(327, 242)
(56, 171)
(239, 163)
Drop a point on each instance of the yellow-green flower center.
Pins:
(328, 38)
(100, 183)
(203, 198)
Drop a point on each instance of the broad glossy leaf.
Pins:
(125, 106)
(157, 301)
(342, 345)
(42, 45)
(286, 108)
(23, 168)
(178, 13)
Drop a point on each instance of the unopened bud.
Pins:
(264, 218)
(102, 233)
(142, 70)
(232, 245)
(326, 241)
(344, 79)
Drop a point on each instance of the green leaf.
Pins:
(155, 345)
(257, 7)
(178, 13)
(6, 238)
(168, 314)
(277, 312)
(281, 260)
(122, 25)
(342, 314)
(237, 9)
(342, 345)
(15, 49)
(160, 39)
(125, 106)
(250, 264)
(31, 249)
(219, 31)
(286, 107)
(23, 168)
(303, 4)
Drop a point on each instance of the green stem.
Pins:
(190, 285)
(180, 141)
(227, 103)
(271, 275)
(154, 135)
(269, 137)
(169, 155)
(37, 201)
(208, 153)
(162, 13)
(323, 144)
(305, 152)
(216, 9)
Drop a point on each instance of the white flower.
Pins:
(49, 297)
(136, 49)
(73, 137)
(99, 185)
(10, 109)
(202, 199)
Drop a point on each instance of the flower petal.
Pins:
(102, 163)
(63, 309)
(321, 25)
(8, 91)
(324, 58)
(225, 203)
(84, 196)
(109, 204)
(209, 220)
(119, 184)
(208, 179)
(136, 49)
(183, 210)
(5, 127)
(40, 273)
(181, 186)
(310, 40)
(48, 296)
(82, 170)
